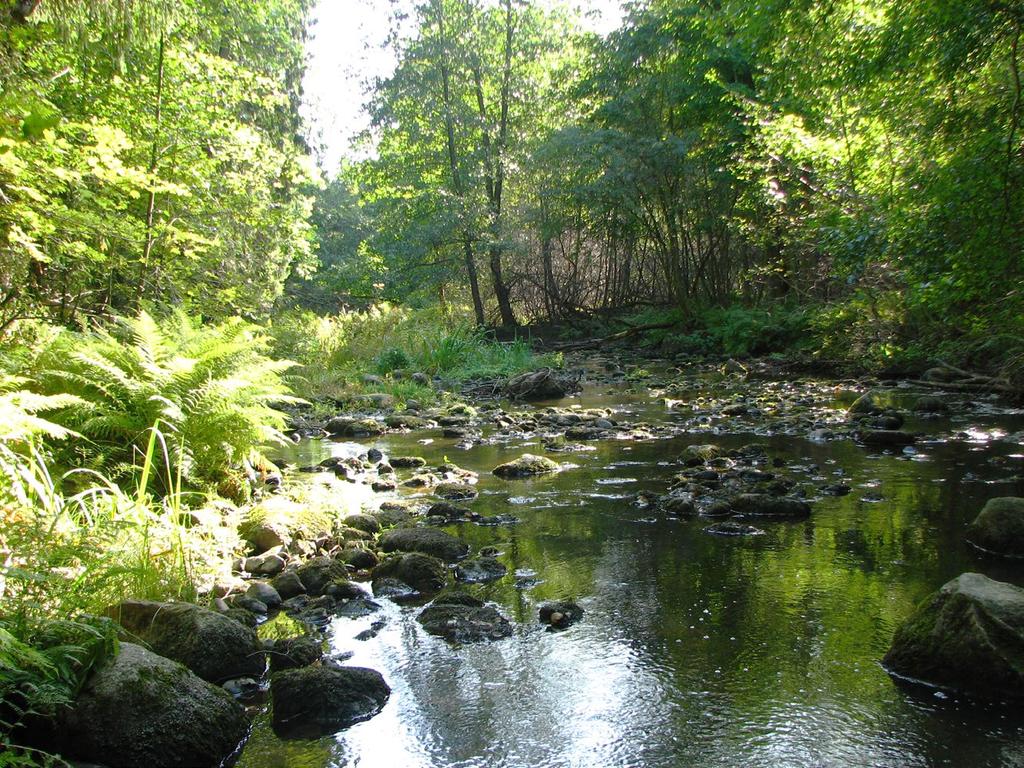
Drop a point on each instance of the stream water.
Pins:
(695, 650)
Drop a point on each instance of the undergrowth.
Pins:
(346, 355)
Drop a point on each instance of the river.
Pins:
(695, 649)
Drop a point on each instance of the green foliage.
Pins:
(149, 151)
(392, 359)
(335, 351)
(42, 669)
(212, 388)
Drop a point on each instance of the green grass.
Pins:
(337, 352)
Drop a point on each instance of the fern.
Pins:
(212, 387)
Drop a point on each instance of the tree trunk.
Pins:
(147, 249)
(453, 164)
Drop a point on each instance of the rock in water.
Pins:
(999, 527)
(545, 384)
(480, 570)
(295, 652)
(526, 465)
(209, 643)
(968, 636)
(316, 574)
(560, 614)
(318, 701)
(141, 709)
(421, 572)
(461, 618)
(763, 505)
(885, 438)
(429, 541)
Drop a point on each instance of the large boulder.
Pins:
(968, 636)
(526, 466)
(208, 643)
(999, 527)
(429, 541)
(317, 701)
(421, 572)
(461, 618)
(141, 710)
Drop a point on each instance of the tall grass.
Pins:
(65, 557)
(392, 341)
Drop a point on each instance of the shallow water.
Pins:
(695, 650)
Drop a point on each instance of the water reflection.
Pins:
(695, 649)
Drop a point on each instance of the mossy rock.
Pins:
(363, 522)
(285, 520)
(316, 574)
(141, 709)
(459, 622)
(999, 527)
(865, 405)
(455, 491)
(429, 541)
(346, 426)
(408, 462)
(421, 572)
(968, 636)
(210, 644)
(931, 404)
(318, 701)
(699, 454)
(526, 465)
(405, 421)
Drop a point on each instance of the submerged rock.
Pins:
(318, 701)
(763, 505)
(732, 528)
(429, 541)
(480, 570)
(525, 466)
(560, 614)
(886, 438)
(422, 573)
(209, 643)
(999, 527)
(931, 404)
(968, 636)
(141, 709)
(461, 618)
